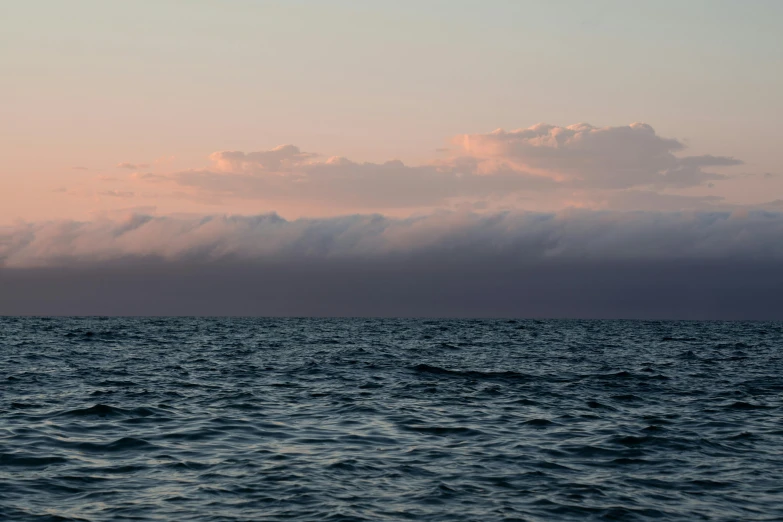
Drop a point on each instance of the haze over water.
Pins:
(362, 419)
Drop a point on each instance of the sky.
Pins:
(127, 128)
(162, 85)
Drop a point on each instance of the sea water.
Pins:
(220, 419)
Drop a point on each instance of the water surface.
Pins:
(432, 420)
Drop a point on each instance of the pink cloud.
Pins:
(596, 157)
(344, 183)
(117, 193)
(280, 158)
(578, 165)
(149, 176)
(132, 166)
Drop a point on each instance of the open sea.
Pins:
(201, 419)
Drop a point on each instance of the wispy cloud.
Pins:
(148, 176)
(117, 193)
(132, 166)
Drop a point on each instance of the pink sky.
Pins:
(540, 168)
(160, 108)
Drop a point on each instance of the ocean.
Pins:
(229, 419)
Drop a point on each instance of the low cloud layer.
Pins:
(573, 235)
(714, 265)
(440, 286)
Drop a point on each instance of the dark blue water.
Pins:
(308, 419)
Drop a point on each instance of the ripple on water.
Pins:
(439, 420)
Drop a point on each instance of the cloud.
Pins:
(572, 234)
(284, 157)
(709, 161)
(149, 176)
(650, 201)
(79, 168)
(132, 166)
(341, 182)
(122, 213)
(596, 157)
(647, 249)
(413, 287)
(702, 265)
(117, 193)
(545, 165)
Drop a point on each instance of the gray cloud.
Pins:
(597, 157)
(342, 182)
(651, 201)
(436, 285)
(709, 161)
(572, 234)
(694, 265)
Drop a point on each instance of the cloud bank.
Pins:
(657, 243)
(571, 235)
(703, 265)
